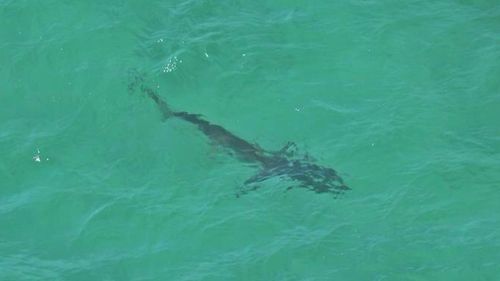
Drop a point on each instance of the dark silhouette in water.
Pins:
(280, 163)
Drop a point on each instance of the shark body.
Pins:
(301, 171)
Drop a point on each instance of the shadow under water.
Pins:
(300, 171)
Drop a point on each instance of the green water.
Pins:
(400, 97)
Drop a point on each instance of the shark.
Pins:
(300, 171)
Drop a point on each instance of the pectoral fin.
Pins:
(259, 177)
(252, 183)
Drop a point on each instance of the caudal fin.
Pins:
(137, 82)
(165, 110)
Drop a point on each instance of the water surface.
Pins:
(401, 98)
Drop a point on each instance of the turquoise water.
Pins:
(400, 97)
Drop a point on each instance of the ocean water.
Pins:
(400, 97)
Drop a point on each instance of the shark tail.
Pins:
(137, 82)
(165, 110)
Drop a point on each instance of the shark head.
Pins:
(301, 172)
(315, 178)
